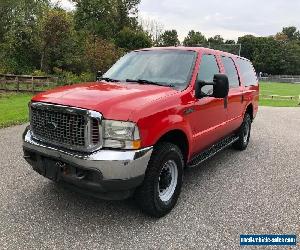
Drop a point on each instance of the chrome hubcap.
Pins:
(167, 180)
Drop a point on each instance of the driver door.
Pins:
(209, 116)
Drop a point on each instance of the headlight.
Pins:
(119, 134)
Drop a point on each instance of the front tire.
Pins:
(244, 134)
(163, 180)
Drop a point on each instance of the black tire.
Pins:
(244, 134)
(148, 195)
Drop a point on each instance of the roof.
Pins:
(196, 49)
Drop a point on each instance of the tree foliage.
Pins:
(105, 18)
(169, 38)
(55, 33)
(36, 36)
(291, 32)
(18, 34)
(100, 54)
(129, 39)
(279, 54)
(216, 40)
(194, 38)
(153, 28)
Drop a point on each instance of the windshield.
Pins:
(166, 67)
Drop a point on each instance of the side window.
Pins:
(247, 72)
(231, 72)
(208, 68)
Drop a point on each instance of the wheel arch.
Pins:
(250, 111)
(179, 138)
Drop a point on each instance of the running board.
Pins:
(208, 153)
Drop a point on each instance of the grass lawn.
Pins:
(13, 108)
(282, 89)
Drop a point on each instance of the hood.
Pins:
(114, 100)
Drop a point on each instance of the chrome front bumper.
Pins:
(112, 164)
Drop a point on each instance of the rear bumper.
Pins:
(108, 174)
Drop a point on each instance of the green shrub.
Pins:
(68, 78)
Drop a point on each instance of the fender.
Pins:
(152, 129)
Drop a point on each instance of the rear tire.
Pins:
(244, 134)
(163, 180)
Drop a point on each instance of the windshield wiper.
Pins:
(142, 81)
(107, 79)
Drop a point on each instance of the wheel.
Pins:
(163, 180)
(244, 134)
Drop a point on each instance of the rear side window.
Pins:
(208, 68)
(231, 72)
(247, 72)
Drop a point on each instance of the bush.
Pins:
(38, 73)
(68, 78)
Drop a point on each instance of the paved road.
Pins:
(255, 191)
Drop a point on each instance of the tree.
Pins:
(100, 54)
(229, 42)
(55, 30)
(291, 33)
(248, 44)
(268, 55)
(281, 37)
(291, 58)
(7, 8)
(129, 39)
(96, 17)
(18, 34)
(169, 38)
(106, 18)
(153, 28)
(216, 40)
(127, 11)
(194, 38)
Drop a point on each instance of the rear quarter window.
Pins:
(247, 72)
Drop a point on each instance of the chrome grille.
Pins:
(71, 128)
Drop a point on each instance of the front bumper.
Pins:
(105, 172)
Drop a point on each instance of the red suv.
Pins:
(155, 112)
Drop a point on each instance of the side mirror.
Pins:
(220, 87)
(99, 75)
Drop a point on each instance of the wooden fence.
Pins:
(23, 83)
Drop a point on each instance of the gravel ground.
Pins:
(255, 191)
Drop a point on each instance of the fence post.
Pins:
(18, 83)
(5, 83)
(55, 82)
(32, 84)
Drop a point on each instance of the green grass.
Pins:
(282, 89)
(13, 108)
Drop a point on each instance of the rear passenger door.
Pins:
(235, 96)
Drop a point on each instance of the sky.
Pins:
(228, 18)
